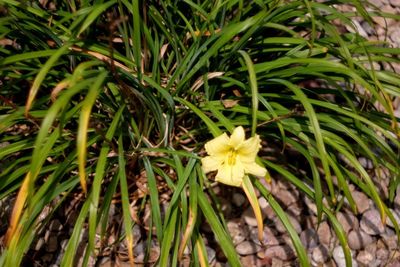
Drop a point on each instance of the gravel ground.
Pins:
(371, 243)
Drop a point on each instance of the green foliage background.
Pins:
(103, 92)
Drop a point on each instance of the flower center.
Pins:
(232, 157)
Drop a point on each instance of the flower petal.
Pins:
(209, 164)
(230, 174)
(255, 169)
(237, 137)
(248, 150)
(218, 146)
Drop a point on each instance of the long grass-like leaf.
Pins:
(125, 201)
(84, 125)
(253, 90)
(221, 235)
(154, 199)
(42, 74)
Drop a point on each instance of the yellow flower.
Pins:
(233, 157)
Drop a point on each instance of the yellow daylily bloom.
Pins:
(233, 157)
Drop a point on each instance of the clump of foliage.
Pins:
(98, 96)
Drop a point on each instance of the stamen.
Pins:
(232, 157)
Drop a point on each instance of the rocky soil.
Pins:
(372, 243)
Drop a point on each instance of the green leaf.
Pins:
(254, 90)
(221, 235)
(154, 198)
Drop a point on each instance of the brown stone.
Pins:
(361, 200)
(52, 244)
(237, 233)
(359, 239)
(247, 248)
(281, 228)
(347, 220)
(395, 3)
(371, 222)
(284, 252)
(309, 238)
(285, 197)
(324, 233)
(364, 257)
(320, 254)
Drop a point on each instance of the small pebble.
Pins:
(287, 240)
(276, 262)
(266, 210)
(226, 207)
(282, 184)
(52, 244)
(359, 239)
(371, 248)
(253, 236)
(324, 233)
(39, 244)
(382, 174)
(248, 260)
(211, 254)
(347, 220)
(311, 221)
(47, 257)
(365, 258)
(338, 256)
(311, 206)
(366, 163)
(395, 3)
(309, 238)
(382, 254)
(105, 262)
(320, 254)
(261, 254)
(358, 29)
(247, 248)
(385, 22)
(137, 234)
(371, 222)
(377, 3)
(139, 248)
(361, 200)
(249, 217)
(394, 35)
(64, 243)
(285, 197)
(281, 228)
(383, 188)
(396, 217)
(238, 199)
(284, 252)
(55, 225)
(237, 233)
(295, 209)
(367, 27)
(390, 239)
(153, 255)
(271, 237)
(380, 244)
